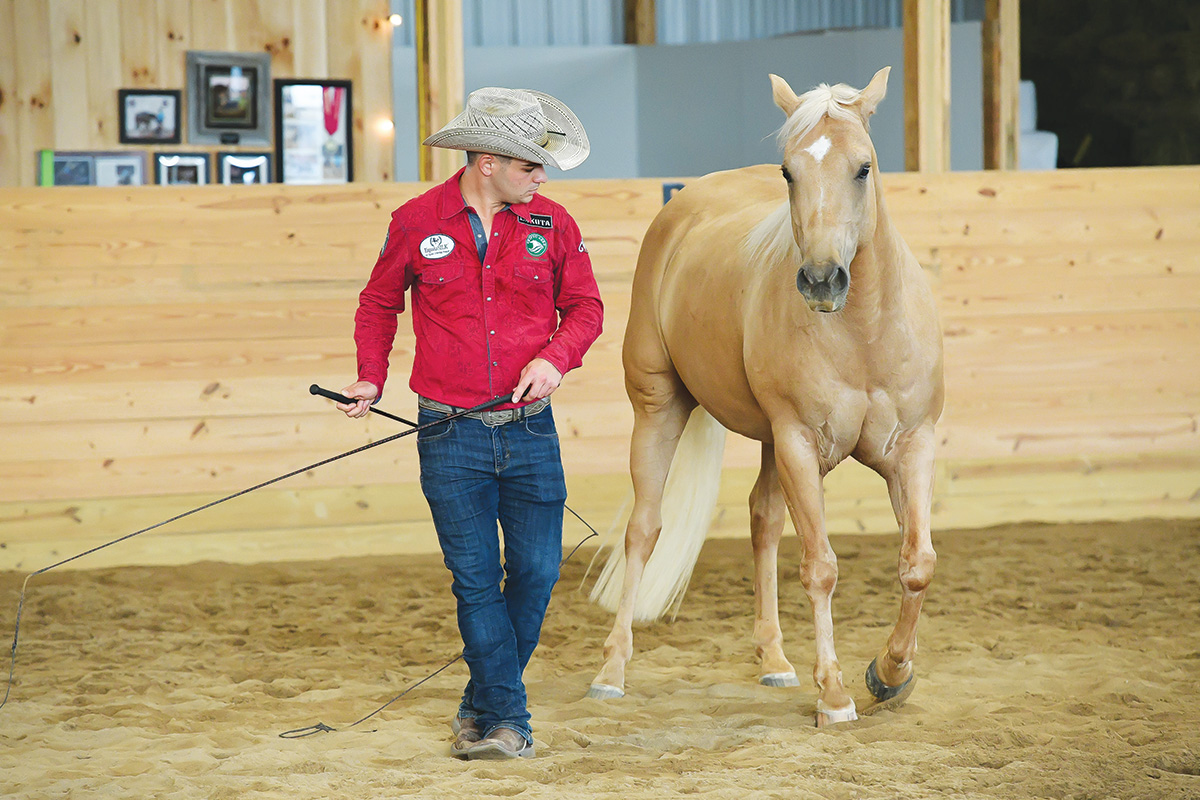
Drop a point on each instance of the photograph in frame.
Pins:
(182, 169)
(228, 97)
(243, 168)
(120, 169)
(313, 131)
(91, 168)
(150, 116)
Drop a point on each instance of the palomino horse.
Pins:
(787, 307)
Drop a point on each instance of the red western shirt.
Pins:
(478, 324)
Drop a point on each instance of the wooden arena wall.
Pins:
(157, 344)
(62, 62)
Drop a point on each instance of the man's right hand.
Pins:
(363, 393)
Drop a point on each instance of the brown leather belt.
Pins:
(489, 418)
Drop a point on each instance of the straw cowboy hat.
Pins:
(520, 123)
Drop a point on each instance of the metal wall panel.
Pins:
(575, 23)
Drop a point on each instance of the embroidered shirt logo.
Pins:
(539, 221)
(535, 244)
(437, 246)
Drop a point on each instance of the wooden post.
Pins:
(927, 85)
(1001, 84)
(440, 79)
(640, 22)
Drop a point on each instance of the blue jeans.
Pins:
(473, 477)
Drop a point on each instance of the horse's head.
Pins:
(829, 166)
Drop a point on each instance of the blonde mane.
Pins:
(816, 104)
(771, 240)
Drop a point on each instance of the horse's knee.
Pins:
(916, 569)
(818, 577)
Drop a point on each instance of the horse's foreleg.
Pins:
(910, 485)
(766, 529)
(656, 432)
(800, 476)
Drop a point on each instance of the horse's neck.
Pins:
(877, 275)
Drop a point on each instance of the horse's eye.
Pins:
(787, 176)
(864, 172)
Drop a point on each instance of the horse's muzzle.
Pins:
(825, 290)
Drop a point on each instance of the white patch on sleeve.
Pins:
(819, 148)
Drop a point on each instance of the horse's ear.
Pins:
(872, 96)
(785, 98)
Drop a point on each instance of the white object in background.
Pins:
(1039, 149)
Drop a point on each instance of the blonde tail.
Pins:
(689, 498)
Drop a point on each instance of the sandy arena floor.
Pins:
(1056, 662)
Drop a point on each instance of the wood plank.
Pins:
(68, 62)
(641, 22)
(1001, 84)
(268, 26)
(10, 143)
(212, 25)
(440, 78)
(173, 38)
(926, 85)
(35, 91)
(141, 66)
(102, 33)
(311, 51)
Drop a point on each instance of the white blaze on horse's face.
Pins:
(832, 208)
(828, 163)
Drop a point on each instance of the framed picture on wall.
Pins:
(243, 168)
(228, 100)
(90, 168)
(149, 116)
(313, 142)
(182, 169)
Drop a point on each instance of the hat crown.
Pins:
(514, 111)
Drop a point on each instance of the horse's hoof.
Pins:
(602, 691)
(887, 696)
(833, 716)
(780, 679)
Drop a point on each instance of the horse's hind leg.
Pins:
(660, 410)
(910, 485)
(766, 529)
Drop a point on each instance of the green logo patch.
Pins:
(536, 244)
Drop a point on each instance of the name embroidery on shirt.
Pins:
(539, 221)
(437, 246)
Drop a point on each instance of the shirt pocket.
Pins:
(533, 287)
(439, 274)
(535, 275)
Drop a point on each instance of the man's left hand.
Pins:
(539, 379)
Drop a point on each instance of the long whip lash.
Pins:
(314, 389)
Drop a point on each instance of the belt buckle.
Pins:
(495, 419)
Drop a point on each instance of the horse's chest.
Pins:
(864, 423)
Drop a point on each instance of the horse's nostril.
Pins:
(840, 280)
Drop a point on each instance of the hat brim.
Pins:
(566, 147)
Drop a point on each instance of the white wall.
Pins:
(685, 110)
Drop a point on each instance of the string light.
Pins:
(384, 127)
(396, 20)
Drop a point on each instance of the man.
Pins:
(504, 302)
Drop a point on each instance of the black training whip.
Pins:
(415, 429)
